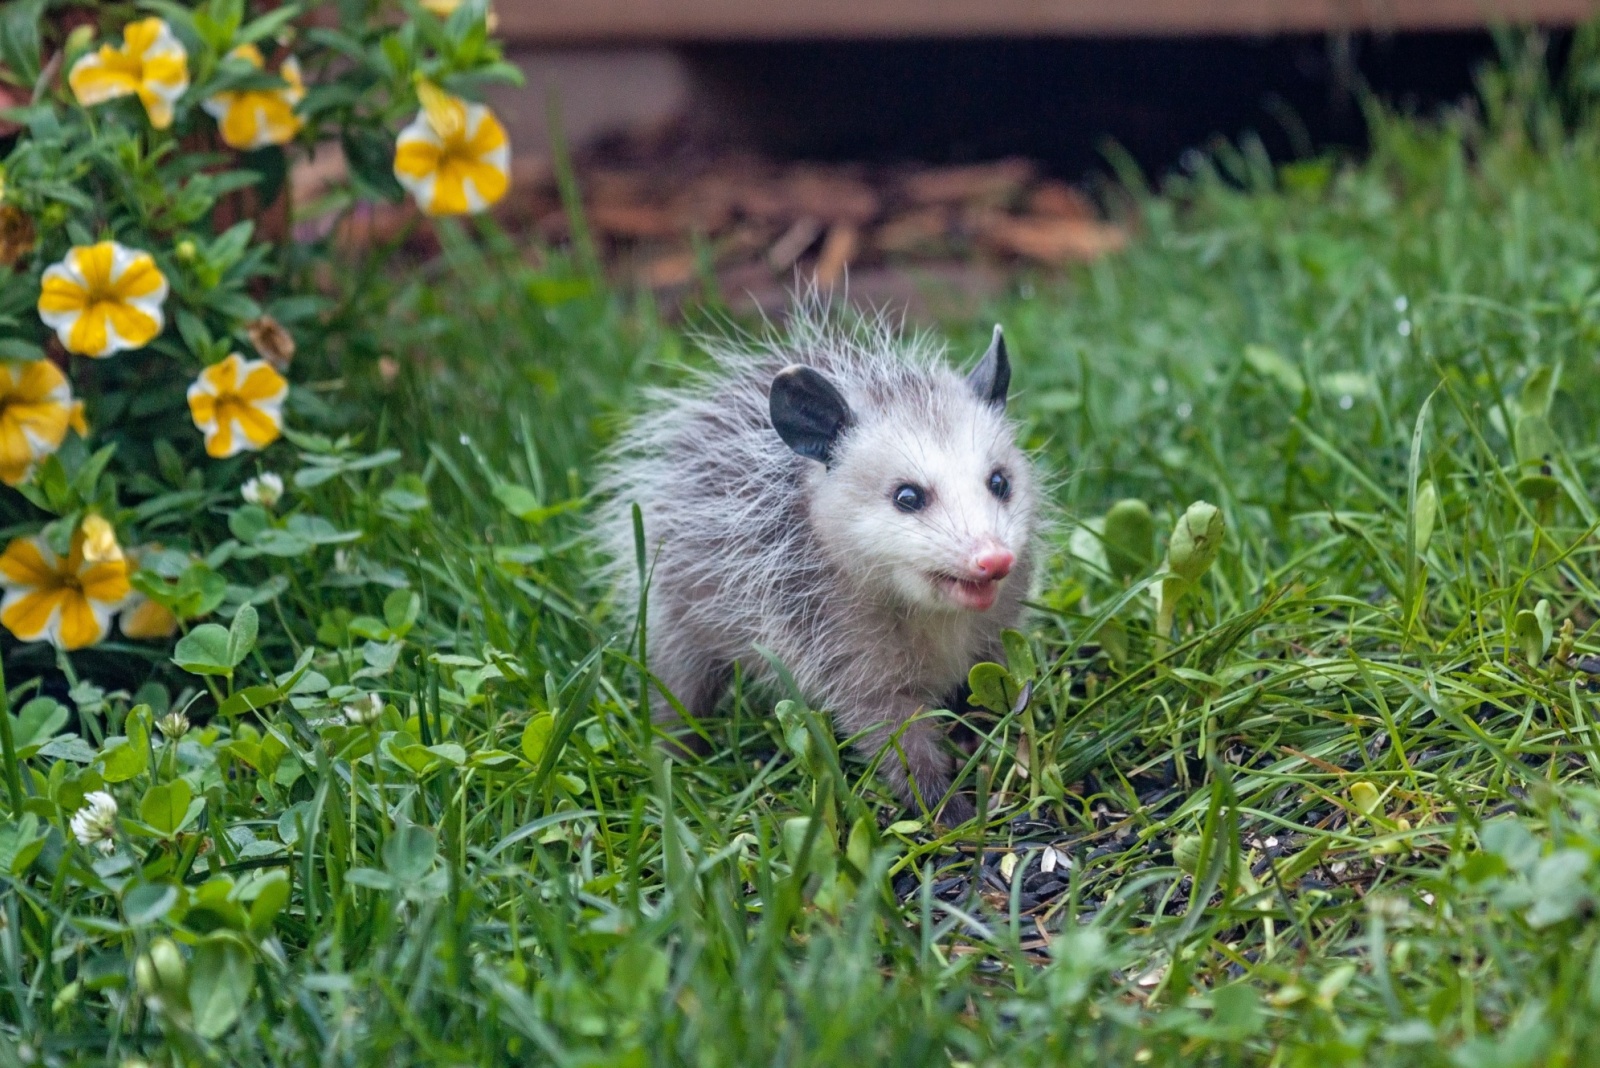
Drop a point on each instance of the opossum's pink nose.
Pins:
(993, 563)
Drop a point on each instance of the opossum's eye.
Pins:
(909, 498)
(1000, 486)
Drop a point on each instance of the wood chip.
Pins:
(832, 196)
(639, 222)
(1051, 197)
(1051, 240)
(988, 183)
(793, 244)
(669, 271)
(837, 250)
(922, 230)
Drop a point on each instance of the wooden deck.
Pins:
(671, 21)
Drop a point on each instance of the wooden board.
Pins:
(577, 21)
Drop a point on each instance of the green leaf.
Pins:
(1275, 367)
(222, 977)
(1534, 440)
(1019, 654)
(251, 699)
(536, 735)
(1129, 534)
(517, 500)
(1236, 1013)
(166, 807)
(242, 635)
(125, 761)
(204, 651)
(36, 723)
(400, 611)
(16, 350)
(1534, 632)
(1559, 888)
(409, 853)
(1427, 514)
(272, 894)
(147, 903)
(21, 841)
(993, 688)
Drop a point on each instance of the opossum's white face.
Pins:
(935, 515)
(924, 496)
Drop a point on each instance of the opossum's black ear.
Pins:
(992, 377)
(807, 412)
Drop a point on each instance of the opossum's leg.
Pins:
(696, 681)
(914, 764)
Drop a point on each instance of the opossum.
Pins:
(840, 497)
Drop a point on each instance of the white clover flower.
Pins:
(173, 725)
(265, 489)
(95, 824)
(365, 711)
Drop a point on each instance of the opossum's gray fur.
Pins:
(735, 556)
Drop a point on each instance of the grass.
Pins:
(1344, 814)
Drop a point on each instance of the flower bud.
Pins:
(79, 39)
(1196, 541)
(1186, 853)
(99, 540)
(162, 973)
(1130, 538)
(186, 251)
(173, 725)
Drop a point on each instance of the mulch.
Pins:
(673, 216)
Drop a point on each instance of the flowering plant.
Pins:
(168, 469)
(157, 283)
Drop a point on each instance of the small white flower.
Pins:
(265, 489)
(362, 712)
(95, 824)
(342, 562)
(173, 725)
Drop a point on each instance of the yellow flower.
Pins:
(255, 118)
(141, 618)
(68, 603)
(454, 157)
(151, 63)
(238, 405)
(103, 298)
(36, 410)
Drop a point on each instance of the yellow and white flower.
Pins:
(255, 118)
(36, 411)
(103, 298)
(454, 158)
(152, 64)
(66, 602)
(238, 405)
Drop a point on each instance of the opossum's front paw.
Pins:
(956, 811)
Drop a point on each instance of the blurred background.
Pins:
(924, 149)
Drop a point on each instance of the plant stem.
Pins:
(8, 745)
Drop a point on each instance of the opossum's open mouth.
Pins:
(976, 596)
